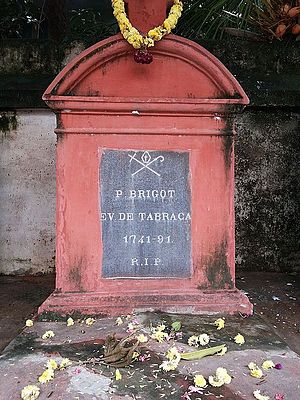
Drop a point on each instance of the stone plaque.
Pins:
(145, 213)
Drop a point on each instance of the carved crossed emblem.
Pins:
(145, 161)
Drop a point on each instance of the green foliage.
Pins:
(89, 22)
(207, 18)
(18, 17)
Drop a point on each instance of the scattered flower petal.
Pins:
(77, 371)
(65, 362)
(119, 321)
(144, 357)
(259, 396)
(90, 321)
(29, 323)
(48, 335)
(220, 323)
(46, 376)
(30, 392)
(278, 366)
(142, 338)
(239, 339)
(70, 322)
(279, 396)
(268, 364)
(193, 341)
(51, 364)
(118, 375)
(199, 381)
(203, 339)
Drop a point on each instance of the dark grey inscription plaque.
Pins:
(145, 213)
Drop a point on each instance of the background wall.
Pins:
(267, 153)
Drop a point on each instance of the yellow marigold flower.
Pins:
(256, 373)
(65, 362)
(118, 375)
(70, 322)
(173, 354)
(142, 338)
(252, 365)
(222, 373)
(169, 365)
(223, 351)
(167, 25)
(199, 381)
(46, 376)
(135, 356)
(29, 323)
(193, 341)
(160, 327)
(203, 339)
(239, 339)
(155, 34)
(259, 396)
(268, 364)
(48, 335)
(90, 321)
(119, 321)
(148, 42)
(220, 378)
(51, 364)
(159, 336)
(30, 392)
(220, 323)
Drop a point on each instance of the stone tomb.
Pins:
(145, 179)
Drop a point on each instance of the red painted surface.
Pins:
(184, 99)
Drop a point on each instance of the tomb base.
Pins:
(188, 302)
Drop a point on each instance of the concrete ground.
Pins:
(272, 333)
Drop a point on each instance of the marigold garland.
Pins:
(142, 42)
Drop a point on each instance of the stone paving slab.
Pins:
(25, 358)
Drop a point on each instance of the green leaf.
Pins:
(196, 355)
(176, 326)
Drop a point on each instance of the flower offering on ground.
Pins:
(46, 376)
(268, 364)
(90, 321)
(220, 323)
(51, 364)
(29, 323)
(203, 339)
(239, 339)
(65, 362)
(119, 321)
(70, 322)
(199, 381)
(30, 392)
(48, 335)
(259, 396)
(220, 378)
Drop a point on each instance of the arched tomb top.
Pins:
(182, 71)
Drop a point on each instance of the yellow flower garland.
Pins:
(133, 36)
